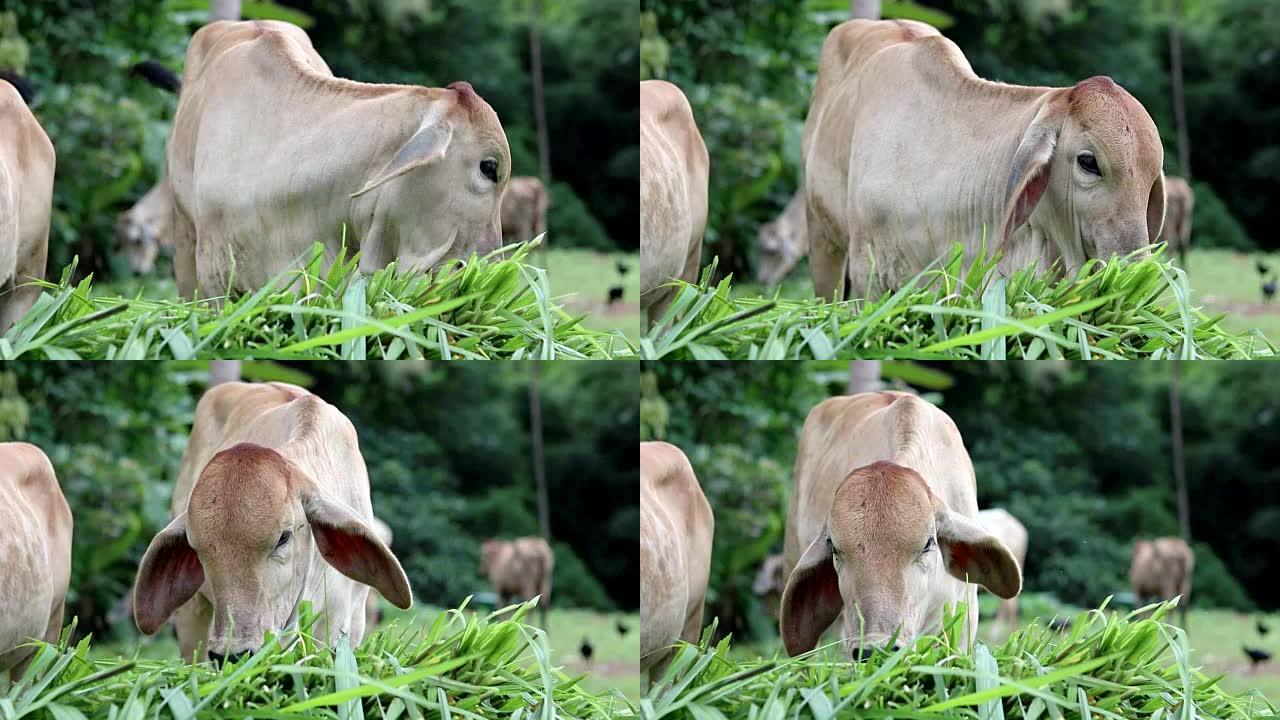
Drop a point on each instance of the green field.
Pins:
(582, 279)
(614, 662)
(1227, 281)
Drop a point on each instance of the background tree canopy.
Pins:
(109, 128)
(447, 447)
(748, 69)
(1078, 452)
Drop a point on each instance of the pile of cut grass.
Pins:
(498, 307)
(1116, 309)
(1105, 667)
(461, 666)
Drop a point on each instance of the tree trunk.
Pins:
(1179, 108)
(221, 371)
(224, 10)
(539, 470)
(865, 9)
(539, 104)
(864, 376)
(1179, 467)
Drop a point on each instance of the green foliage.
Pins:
(481, 309)
(1117, 309)
(572, 219)
(1104, 666)
(461, 665)
(1214, 226)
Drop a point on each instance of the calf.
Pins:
(674, 167)
(1162, 570)
(35, 554)
(676, 531)
(907, 151)
(782, 242)
(26, 204)
(524, 209)
(142, 231)
(271, 509)
(1179, 203)
(882, 527)
(270, 153)
(519, 569)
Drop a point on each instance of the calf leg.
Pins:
(828, 249)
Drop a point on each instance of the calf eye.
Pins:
(489, 168)
(284, 538)
(929, 545)
(1089, 163)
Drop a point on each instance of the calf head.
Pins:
(1087, 173)
(445, 183)
(492, 553)
(247, 539)
(139, 240)
(884, 555)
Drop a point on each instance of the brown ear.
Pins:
(353, 549)
(426, 146)
(972, 554)
(811, 600)
(1029, 172)
(1155, 209)
(169, 575)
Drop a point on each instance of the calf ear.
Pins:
(169, 576)
(811, 600)
(972, 554)
(426, 146)
(1155, 209)
(1029, 172)
(354, 549)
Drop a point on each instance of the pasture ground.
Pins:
(615, 661)
(1216, 638)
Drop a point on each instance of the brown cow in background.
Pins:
(1162, 570)
(1179, 201)
(524, 209)
(771, 580)
(519, 569)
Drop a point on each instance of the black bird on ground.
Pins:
(1269, 289)
(1262, 627)
(622, 268)
(622, 628)
(615, 294)
(586, 650)
(157, 75)
(1262, 269)
(1256, 657)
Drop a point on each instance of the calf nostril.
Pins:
(863, 653)
(235, 657)
(219, 659)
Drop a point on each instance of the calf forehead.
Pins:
(881, 508)
(1117, 118)
(243, 493)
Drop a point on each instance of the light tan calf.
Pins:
(142, 231)
(519, 570)
(26, 203)
(676, 533)
(1179, 202)
(884, 492)
(524, 209)
(35, 553)
(782, 242)
(271, 510)
(674, 170)
(1162, 570)
(270, 153)
(907, 151)
(1013, 535)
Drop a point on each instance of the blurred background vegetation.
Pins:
(749, 68)
(447, 447)
(109, 128)
(1080, 453)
